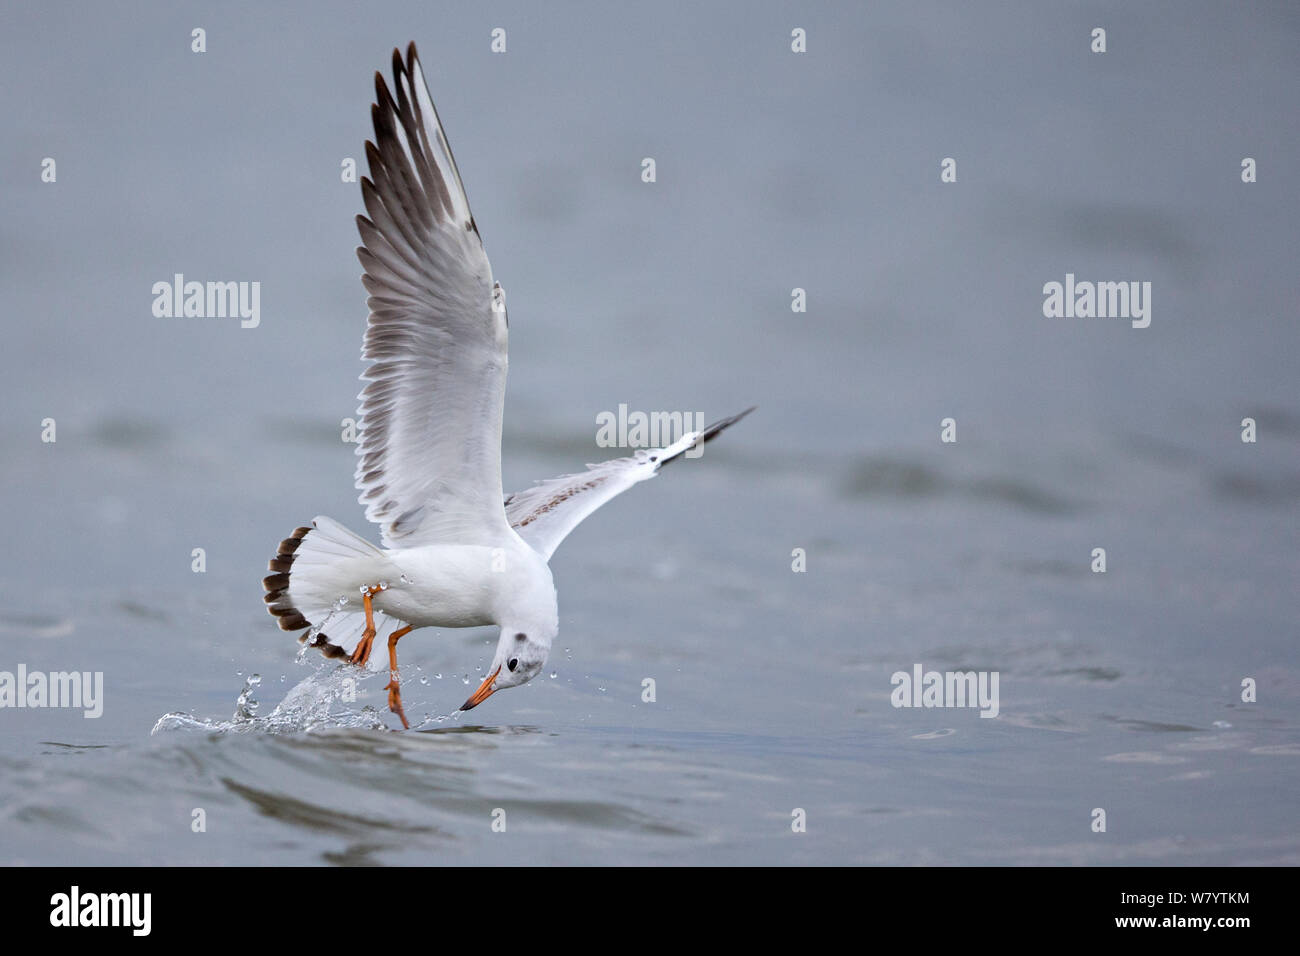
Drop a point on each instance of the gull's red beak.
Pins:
(485, 690)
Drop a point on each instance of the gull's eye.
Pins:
(521, 636)
(514, 662)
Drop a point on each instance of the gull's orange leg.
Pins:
(394, 690)
(362, 653)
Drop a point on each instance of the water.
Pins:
(1119, 691)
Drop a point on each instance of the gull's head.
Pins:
(521, 654)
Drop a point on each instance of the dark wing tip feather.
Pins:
(710, 432)
(722, 424)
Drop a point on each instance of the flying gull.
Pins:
(456, 551)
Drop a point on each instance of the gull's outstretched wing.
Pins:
(430, 435)
(545, 514)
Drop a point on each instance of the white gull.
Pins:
(457, 552)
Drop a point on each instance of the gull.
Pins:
(457, 552)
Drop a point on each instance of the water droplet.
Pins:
(424, 679)
(383, 585)
(1222, 724)
(554, 675)
(245, 705)
(465, 679)
(438, 676)
(405, 579)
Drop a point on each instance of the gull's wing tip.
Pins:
(382, 98)
(544, 514)
(705, 434)
(405, 65)
(723, 423)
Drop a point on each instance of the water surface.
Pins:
(1119, 691)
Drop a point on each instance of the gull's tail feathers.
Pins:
(315, 584)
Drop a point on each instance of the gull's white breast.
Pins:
(465, 585)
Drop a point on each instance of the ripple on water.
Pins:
(37, 626)
(1151, 726)
(1041, 721)
(1277, 750)
(1145, 756)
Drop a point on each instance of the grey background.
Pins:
(775, 170)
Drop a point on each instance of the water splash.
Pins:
(325, 698)
(245, 705)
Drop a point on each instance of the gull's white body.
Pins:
(446, 585)
(457, 551)
(450, 588)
